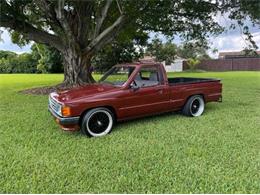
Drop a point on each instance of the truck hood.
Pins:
(83, 92)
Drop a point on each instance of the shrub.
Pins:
(192, 63)
(23, 63)
(42, 59)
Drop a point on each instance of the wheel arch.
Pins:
(201, 94)
(111, 108)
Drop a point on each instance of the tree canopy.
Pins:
(42, 59)
(191, 50)
(79, 29)
(169, 51)
(162, 51)
(14, 63)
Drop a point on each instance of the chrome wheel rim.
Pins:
(99, 123)
(197, 107)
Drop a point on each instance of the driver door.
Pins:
(147, 94)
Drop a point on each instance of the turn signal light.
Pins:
(65, 111)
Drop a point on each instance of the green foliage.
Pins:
(116, 53)
(168, 51)
(215, 153)
(42, 59)
(250, 53)
(49, 59)
(18, 38)
(7, 54)
(193, 50)
(127, 48)
(192, 63)
(5, 66)
(41, 68)
(195, 22)
(23, 63)
(162, 51)
(83, 28)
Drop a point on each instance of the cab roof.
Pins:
(140, 63)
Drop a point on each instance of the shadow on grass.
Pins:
(120, 125)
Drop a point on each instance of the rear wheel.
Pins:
(194, 106)
(97, 122)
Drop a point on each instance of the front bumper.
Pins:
(67, 123)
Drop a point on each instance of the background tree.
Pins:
(42, 59)
(162, 51)
(7, 54)
(128, 47)
(193, 50)
(49, 59)
(13, 63)
(192, 63)
(115, 53)
(168, 51)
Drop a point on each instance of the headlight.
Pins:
(59, 110)
(55, 106)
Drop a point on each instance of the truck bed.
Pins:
(189, 80)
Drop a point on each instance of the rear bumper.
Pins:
(66, 123)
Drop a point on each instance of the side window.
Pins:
(148, 76)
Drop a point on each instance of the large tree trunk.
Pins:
(80, 29)
(77, 68)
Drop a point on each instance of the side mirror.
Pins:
(134, 86)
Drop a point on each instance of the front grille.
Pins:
(54, 105)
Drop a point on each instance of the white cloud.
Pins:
(6, 43)
(231, 42)
(233, 39)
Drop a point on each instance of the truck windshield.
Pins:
(117, 75)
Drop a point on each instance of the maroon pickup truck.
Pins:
(129, 91)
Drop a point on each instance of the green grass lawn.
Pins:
(218, 152)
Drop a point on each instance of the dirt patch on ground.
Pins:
(45, 90)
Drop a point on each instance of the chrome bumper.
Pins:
(63, 120)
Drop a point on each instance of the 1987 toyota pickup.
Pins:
(129, 91)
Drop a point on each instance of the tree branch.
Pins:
(31, 32)
(102, 17)
(104, 37)
(44, 5)
(85, 11)
(60, 13)
(119, 7)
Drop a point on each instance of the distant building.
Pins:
(234, 54)
(148, 59)
(176, 66)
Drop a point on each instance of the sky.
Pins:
(6, 43)
(232, 40)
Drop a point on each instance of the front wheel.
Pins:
(194, 106)
(97, 122)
